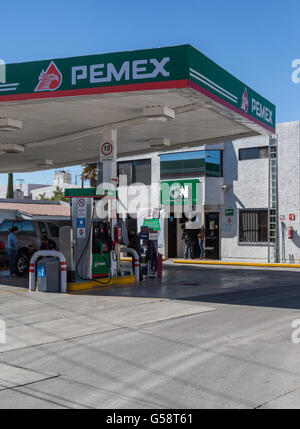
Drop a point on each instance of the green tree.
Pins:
(59, 195)
(10, 186)
(42, 196)
(90, 173)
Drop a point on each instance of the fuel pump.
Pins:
(101, 247)
(95, 240)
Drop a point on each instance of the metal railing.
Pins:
(63, 268)
(136, 261)
(273, 201)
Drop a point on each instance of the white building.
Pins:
(62, 179)
(21, 191)
(230, 181)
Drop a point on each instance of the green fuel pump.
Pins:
(101, 246)
(94, 247)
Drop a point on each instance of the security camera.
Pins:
(225, 188)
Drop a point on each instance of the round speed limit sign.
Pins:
(106, 151)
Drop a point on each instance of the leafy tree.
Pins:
(90, 173)
(59, 195)
(42, 196)
(10, 186)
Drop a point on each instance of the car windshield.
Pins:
(24, 226)
(6, 225)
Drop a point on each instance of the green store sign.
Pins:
(152, 223)
(180, 192)
(229, 212)
(151, 69)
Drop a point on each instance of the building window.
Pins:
(138, 171)
(253, 226)
(253, 153)
(191, 164)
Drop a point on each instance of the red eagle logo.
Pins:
(49, 80)
(245, 102)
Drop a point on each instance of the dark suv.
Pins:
(32, 235)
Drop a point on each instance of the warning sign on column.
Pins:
(81, 232)
(81, 207)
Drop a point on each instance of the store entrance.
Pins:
(212, 239)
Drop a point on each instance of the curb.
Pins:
(130, 259)
(241, 264)
(121, 281)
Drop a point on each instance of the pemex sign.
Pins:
(151, 69)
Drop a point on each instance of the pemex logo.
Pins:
(245, 102)
(49, 80)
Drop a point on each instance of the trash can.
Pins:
(48, 275)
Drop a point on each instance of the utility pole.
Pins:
(21, 181)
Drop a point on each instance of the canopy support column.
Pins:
(110, 182)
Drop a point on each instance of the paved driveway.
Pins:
(201, 337)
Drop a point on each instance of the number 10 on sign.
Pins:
(106, 151)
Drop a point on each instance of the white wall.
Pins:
(26, 188)
(213, 193)
(248, 188)
(248, 180)
(48, 190)
(289, 188)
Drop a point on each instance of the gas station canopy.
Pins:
(158, 99)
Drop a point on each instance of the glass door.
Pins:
(212, 245)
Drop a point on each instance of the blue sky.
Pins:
(256, 41)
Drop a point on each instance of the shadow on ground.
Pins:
(6, 280)
(257, 287)
(236, 286)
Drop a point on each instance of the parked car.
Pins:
(33, 235)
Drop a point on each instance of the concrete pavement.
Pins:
(200, 338)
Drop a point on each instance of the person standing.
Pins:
(201, 237)
(12, 250)
(186, 238)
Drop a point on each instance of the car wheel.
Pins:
(22, 264)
